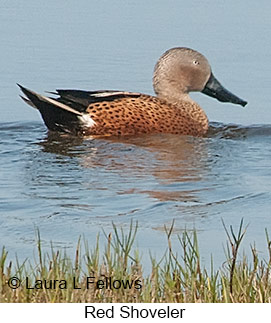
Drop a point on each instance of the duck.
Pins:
(178, 72)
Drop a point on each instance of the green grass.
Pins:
(172, 278)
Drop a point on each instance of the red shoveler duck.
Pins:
(178, 71)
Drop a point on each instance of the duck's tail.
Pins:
(56, 115)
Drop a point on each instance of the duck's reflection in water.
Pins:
(171, 164)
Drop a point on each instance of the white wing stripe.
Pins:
(105, 94)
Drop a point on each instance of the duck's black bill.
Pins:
(214, 89)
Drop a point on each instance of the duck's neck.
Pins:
(170, 91)
(176, 98)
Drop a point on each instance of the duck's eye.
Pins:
(195, 62)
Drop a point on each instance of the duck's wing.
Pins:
(82, 99)
(67, 112)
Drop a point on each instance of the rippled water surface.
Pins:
(68, 187)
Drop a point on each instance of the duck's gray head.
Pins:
(182, 70)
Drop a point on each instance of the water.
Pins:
(68, 187)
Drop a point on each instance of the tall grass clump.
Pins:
(114, 272)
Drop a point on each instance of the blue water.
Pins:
(69, 187)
